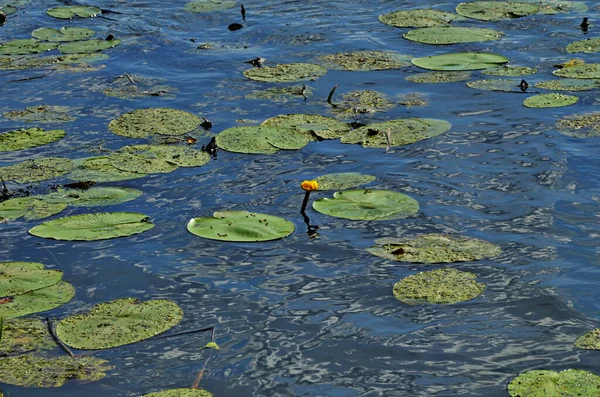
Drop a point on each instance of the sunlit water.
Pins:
(316, 317)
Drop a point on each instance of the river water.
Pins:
(316, 317)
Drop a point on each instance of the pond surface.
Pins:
(316, 316)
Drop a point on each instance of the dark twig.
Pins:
(243, 11)
(130, 78)
(196, 384)
(56, 339)
(331, 93)
(194, 331)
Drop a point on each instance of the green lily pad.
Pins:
(17, 278)
(35, 371)
(142, 123)
(89, 227)
(87, 46)
(401, 132)
(39, 300)
(439, 77)
(286, 73)
(119, 322)
(367, 204)
(20, 335)
(310, 124)
(460, 61)
(180, 393)
(504, 85)
(209, 5)
(542, 383)
(8, 9)
(439, 286)
(131, 86)
(420, 18)
(62, 34)
(261, 140)
(25, 138)
(553, 7)
(142, 164)
(99, 169)
(366, 60)
(553, 100)
(343, 180)
(16, 62)
(92, 197)
(180, 156)
(36, 170)
(362, 102)
(68, 12)
(496, 10)
(586, 125)
(509, 71)
(41, 114)
(282, 94)
(586, 45)
(434, 248)
(25, 46)
(240, 226)
(569, 84)
(30, 208)
(585, 71)
(589, 340)
(451, 35)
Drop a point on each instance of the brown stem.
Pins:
(56, 339)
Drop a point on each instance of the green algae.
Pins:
(542, 383)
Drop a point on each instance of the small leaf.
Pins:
(212, 345)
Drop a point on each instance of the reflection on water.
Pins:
(316, 317)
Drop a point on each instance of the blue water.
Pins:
(316, 317)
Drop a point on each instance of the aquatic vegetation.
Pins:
(584, 71)
(18, 62)
(438, 77)
(569, 84)
(70, 12)
(25, 138)
(42, 114)
(261, 140)
(29, 208)
(439, 286)
(240, 226)
(180, 393)
(142, 123)
(496, 10)
(310, 185)
(505, 85)
(36, 170)
(451, 35)
(460, 61)
(586, 45)
(420, 18)
(361, 102)
(135, 87)
(286, 73)
(282, 94)
(371, 205)
(343, 180)
(149, 159)
(25, 46)
(584, 125)
(570, 382)
(119, 322)
(366, 60)
(589, 340)
(100, 169)
(62, 34)
(88, 46)
(92, 197)
(313, 125)
(553, 100)
(24, 334)
(509, 71)
(209, 5)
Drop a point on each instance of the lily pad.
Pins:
(420, 18)
(585, 71)
(343, 180)
(589, 340)
(282, 94)
(261, 140)
(99, 169)
(366, 60)
(284, 73)
(135, 87)
(41, 114)
(504, 85)
(17, 278)
(569, 84)
(553, 100)
(39, 300)
(21, 335)
(89, 227)
(586, 125)
(209, 5)
(141, 163)
(25, 138)
(541, 383)
(509, 71)
(496, 10)
(95, 196)
(438, 77)
(362, 102)
(180, 393)
(25, 46)
(16, 62)
(311, 124)
(400, 131)
(62, 34)
(367, 204)
(439, 286)
(180, 156)
(451, 35)
(35, 371)
(36, 170)
(87, 46)
(142, 123)
(119, 322)
(587, 45)
(460, 61)
(240, 226)
(68, 12)
(553, 7)
(8, 9)
(30, 208)
(434, 248)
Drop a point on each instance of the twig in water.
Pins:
(331, 93)
(129, 77)
(196, 384)
(194, 331)
(58, 341)
(388, 138)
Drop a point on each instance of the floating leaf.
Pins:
(509, 71)
(134, 87)
(460, 61)
(41, 114)
(119, 322)
(439, 286)
(284, 73)
(439, 77)
(570, 382)
(62, 34)
(362, 102)
(68, 12)
(585, 71)
(25, 46)
(589, 340)
(586, 45)
(366, 60)
(585, 125)
(343, 180)
(212, 345)
(25, 138)
(282, 94)
(99, 169)
(8, 9)
(180, 393)
(16, 62)
(413, 99)
(553, 100)
(142, 123)
(38, 300)
(496, 10)
(181, 156)
(368, 205)
(420, 18)
(552, 7)
(30, 208)
(95, 196)
(88, 46)
(451, 35)
(209, 5)
(261, 140)
(505, 85)
(35, 371)
(311, 124)
(21, 335)
(434, 248)
(17, 278)
(400, 131)
(98, 226)
(36, 170)
(569, 84)
(240, 226)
